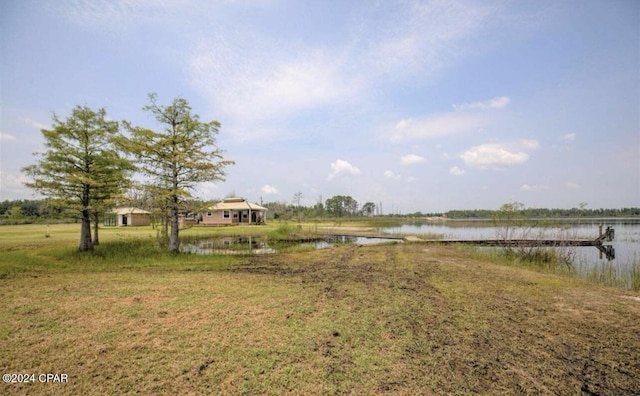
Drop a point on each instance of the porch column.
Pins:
(248, 206)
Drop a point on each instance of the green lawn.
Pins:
(390, 319)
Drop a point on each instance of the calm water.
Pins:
(256, 245)
(588, 260)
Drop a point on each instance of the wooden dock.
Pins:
(605, 250)
(606, 236)
(510, 242)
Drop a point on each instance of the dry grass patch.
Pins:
(396, 319)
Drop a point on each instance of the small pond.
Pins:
(256, 245)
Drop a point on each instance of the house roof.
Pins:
(237, 204)
(129, 210)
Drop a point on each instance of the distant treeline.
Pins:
(536, 213)
(25, 211)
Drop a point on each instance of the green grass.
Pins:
(24, 252)
(625, 276)
(282, 232)
(388, 319)
(621, 275)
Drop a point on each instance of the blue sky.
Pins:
(418, 105)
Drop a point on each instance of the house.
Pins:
(234, 211)
(188, 219)
(128, 217)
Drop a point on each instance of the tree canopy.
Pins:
(341, 205)
(180, 154)
(80, 168)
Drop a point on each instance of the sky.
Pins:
(413, 105)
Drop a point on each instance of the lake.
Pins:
(588, 261)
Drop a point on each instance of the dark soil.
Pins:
(468, 326)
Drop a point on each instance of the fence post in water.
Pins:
(610, 234)
(600, 231)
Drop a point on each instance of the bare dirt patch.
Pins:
(467, 326)
(634, 298)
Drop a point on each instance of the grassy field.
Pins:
(387, 319)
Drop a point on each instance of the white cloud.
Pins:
(259, 86)
(256, 80)
(411, 159)
(268, 189)
(36, 124)
(397, 42)
(450, 123)
(495, 103)
(12, 185)
(6, 136)
(568, 137)
(297, 84)
(455, 171)
(572, 185)
(534, 187)
(391, 175)
(444, 124)
(340, 168)
(207, 190)
(491, 155)
(529, 144)
(258, 83)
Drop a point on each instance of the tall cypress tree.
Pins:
(182, 153)
(81, 168)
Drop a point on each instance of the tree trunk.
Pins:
(96, 220)
(165, 226)
(85, 232)
(174, 241)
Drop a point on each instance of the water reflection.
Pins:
(227, 246)
(257, 245)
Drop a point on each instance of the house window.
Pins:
(209, 214)
(235, 215)
(226, 214)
